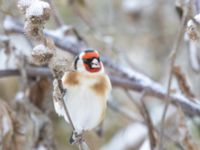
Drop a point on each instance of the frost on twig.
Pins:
(132, 79)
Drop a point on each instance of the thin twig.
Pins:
(83, 16)
(124, 111)
(133, 101)
(56, 16)
(175, 50)
(149, 123)
(118, 109)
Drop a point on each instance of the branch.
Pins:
(197, 4)
(175, 49)
(128, 79)
(55, 14)
(153, 89)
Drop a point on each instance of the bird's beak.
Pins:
(96, 65)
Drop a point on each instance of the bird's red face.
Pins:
(91, 61)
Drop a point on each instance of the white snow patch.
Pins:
(20, 96)
(4, 38)
(6, 125)
(36, 8)
(142, 79)
(197, 18)
(127, 137)
(25, 3)
(71, 39)
(5, 62)
(40, 47)
(8, 24)
(194, 56)
(134, 5)
(190, 23)
(60, 32)
(41, 147)
(145, 145)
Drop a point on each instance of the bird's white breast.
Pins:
(86, 107)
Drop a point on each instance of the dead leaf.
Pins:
(38, 91)
(151, 129)
(182, 82)
(184, 134)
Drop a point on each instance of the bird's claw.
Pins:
(76, 138)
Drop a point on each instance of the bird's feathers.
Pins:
(87, 92)
(86, 98)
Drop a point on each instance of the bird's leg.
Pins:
(76, 137)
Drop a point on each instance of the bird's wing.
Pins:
(57, 101)
(59, 108)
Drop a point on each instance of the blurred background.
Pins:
(137, 34)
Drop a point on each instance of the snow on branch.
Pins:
(131, 79)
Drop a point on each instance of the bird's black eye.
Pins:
(89, 60)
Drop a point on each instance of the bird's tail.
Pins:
(72, 140)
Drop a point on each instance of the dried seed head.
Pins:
(34, 30)
(36, 13)
(193, 28)
(192, 31)
(41, 55)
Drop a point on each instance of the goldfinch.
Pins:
(88, 88)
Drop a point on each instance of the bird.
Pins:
(87, 90)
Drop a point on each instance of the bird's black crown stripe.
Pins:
(88, 51)
(75, 62)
